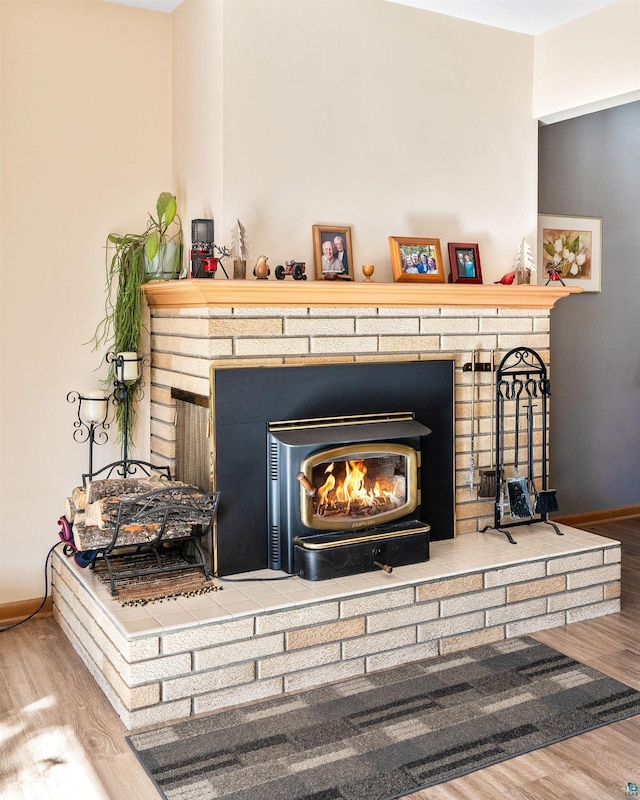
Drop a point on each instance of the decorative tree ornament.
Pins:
(524, 266)
(239, 250)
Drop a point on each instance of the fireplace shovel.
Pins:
(517, 489)
(545, 500)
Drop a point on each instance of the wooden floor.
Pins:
(60, 739)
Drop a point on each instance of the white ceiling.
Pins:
(157, 5)
(523, 16)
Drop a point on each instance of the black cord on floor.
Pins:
(46, 593)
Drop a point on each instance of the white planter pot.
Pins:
(166, 264)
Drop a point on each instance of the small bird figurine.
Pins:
(507, 279)
(261, 269)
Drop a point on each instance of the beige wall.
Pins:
(589, 64)
(383, 117)
(85, 151)
(198, 111)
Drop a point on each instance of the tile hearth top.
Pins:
(467, 553)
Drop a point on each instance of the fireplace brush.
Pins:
(517, 489)
(488, 476)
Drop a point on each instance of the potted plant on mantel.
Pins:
(137, 258)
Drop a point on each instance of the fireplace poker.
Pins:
(518, 492)
(488, 476)
(544, 500)
(472, 461)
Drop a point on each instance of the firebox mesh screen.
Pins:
(192, 445)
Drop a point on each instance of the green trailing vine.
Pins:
(128, 260)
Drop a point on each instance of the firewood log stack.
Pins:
(94, 511)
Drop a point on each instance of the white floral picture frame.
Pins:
(570, 249)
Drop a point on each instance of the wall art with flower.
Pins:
(570, 249)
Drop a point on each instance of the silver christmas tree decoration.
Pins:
(238, 245)
(524, 266)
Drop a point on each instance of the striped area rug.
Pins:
(388, 734)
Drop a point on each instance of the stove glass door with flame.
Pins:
(358, 486)
(340, 475)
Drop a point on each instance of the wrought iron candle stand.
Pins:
(91, 425)
(521, 373)
(127, 369)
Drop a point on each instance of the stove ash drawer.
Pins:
(318, 558)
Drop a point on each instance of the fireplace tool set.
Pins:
(521, 388)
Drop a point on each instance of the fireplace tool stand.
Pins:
(521, 378)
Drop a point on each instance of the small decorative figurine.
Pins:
(261, 269)
(524, 266)
(294, 268)
(507, 279)
(239, 251)
(367, 270)
(554, 275)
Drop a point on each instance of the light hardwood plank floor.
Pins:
(60, 739)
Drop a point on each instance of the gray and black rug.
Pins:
(387, 734)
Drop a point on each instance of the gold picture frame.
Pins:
(416, 259)
(333, 267)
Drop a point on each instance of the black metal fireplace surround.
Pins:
(247, 400)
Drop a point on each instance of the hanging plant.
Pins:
(132, 260)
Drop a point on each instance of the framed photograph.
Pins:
(416, 259)
(464, 260)
(570, 248)
(332, 252)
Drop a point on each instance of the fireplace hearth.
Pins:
(253, 641)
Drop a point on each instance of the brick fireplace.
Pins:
(257, 639)
(197, 325)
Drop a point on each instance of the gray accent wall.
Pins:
(590, 166)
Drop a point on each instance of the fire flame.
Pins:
(354, 493)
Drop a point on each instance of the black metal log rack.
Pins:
(178, 519)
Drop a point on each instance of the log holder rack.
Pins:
(163, 509)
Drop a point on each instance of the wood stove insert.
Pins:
(339, 475)
(245, 400)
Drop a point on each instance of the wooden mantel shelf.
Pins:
(203, 292)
